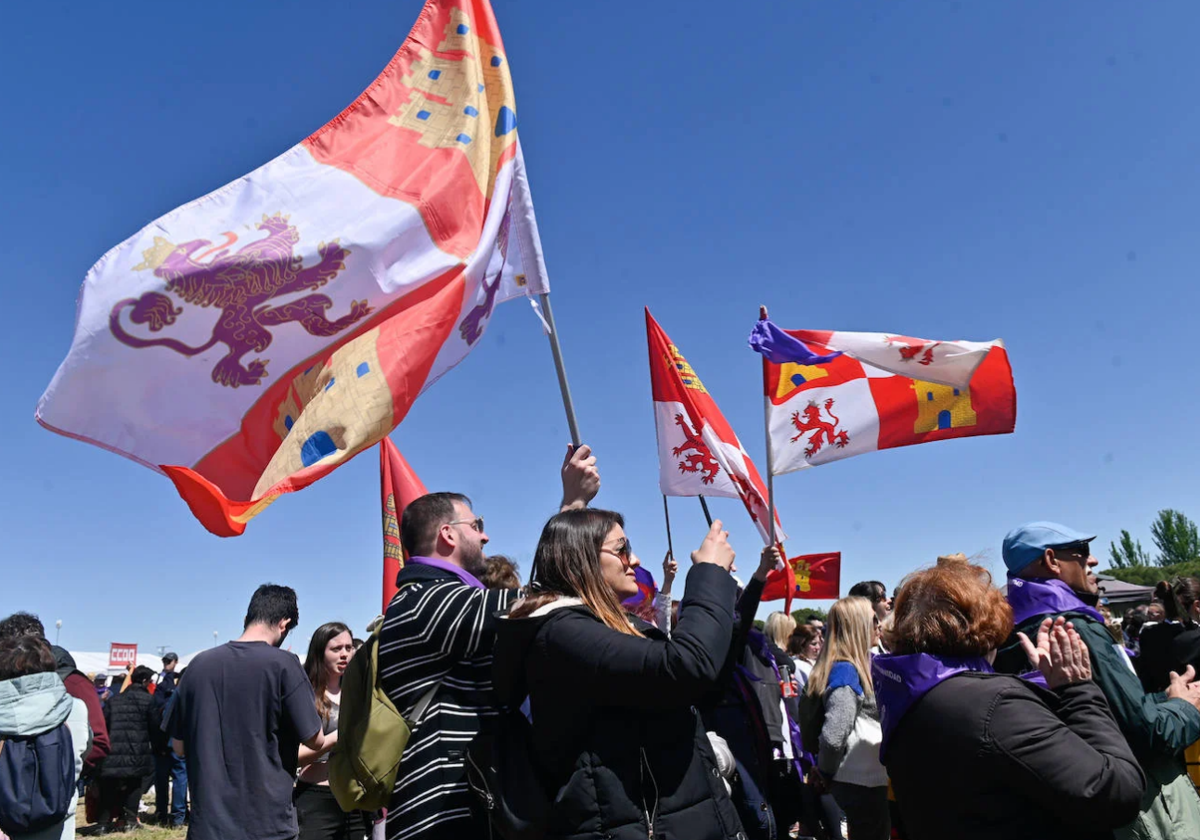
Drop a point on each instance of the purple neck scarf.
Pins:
(903, 679)
(1030, 597)
(458, 571)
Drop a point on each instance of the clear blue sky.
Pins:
(1021, 170)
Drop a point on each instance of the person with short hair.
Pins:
(972, 753)
(1050, 575)
(241, 713)
(132, 717)
(170, 770)
(33, 700)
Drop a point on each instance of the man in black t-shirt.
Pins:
(240, 717)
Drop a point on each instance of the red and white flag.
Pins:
(825, 405)
(253, 340)
(698, 453)
(399, 486)
(945, 362)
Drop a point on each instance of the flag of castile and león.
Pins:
(398, 486)
(253, 340)
(832, 395)
(698, 453)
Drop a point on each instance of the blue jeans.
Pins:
(170, 771)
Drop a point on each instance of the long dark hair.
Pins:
(567, 563)
(314, 663)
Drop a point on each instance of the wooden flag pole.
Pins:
(667, 517)
(762, 316)
(704, 506)
(561, 368)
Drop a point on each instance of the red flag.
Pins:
(698, 453)
(399, 486)
(811, 577)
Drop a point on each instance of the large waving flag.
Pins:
(698, 453)
(398, 485)
(829, 405)
(250, 342)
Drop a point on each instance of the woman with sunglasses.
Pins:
(617, 741)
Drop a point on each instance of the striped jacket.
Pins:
(438, 628)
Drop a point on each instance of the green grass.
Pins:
(147, 832)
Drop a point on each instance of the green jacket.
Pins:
(1158, 729)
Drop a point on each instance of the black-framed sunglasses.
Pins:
(1081, 550)
(476, 523)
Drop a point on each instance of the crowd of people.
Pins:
(953, 709)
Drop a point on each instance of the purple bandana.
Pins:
(778, 347)
(903, 679)
(458, 571)
(1031, 597)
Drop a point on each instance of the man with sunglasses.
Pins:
(240, 714)
(1050, 575)
(435, 654)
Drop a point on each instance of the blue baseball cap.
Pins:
(1029, 542)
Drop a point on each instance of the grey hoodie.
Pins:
(34, 703)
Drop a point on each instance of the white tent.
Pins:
(97, 662)
(94, 662)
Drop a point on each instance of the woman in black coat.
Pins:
(982, 755)
(617, 740)
(131, 716)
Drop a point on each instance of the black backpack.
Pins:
(502, 776)
(811, 721)
(37, 780)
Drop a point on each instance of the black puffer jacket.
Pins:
(131, 716)
(992, 757)
(615, 732)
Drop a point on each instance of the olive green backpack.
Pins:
(372, 735)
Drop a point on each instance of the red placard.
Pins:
(120, 655)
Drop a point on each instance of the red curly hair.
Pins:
(951, 609)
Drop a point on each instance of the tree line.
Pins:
(1177, 540)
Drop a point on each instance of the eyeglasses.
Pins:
(476, 523)
(624, 551)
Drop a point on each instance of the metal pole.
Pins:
(762, 315)
(559, 366)
(667, 517)
(704, 505)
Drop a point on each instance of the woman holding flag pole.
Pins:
(616, 736)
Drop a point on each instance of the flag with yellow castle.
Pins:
(832, 403)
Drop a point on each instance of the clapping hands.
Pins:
(1059, 654)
